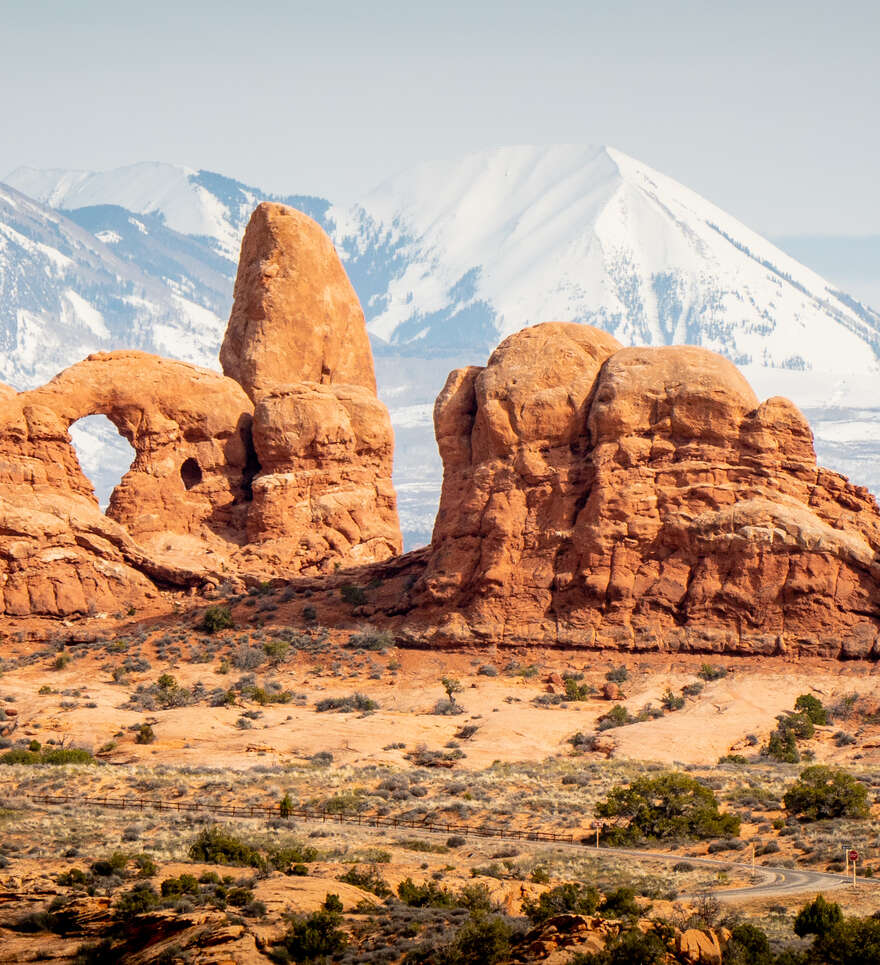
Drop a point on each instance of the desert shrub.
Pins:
(487, 670)
(370, 639)
(314, 937)
(217, 845)
(617, 675)
(842, 739)
(447, 708)
(709, 672)
(176, 887)
(248, 658)
(425, 894)
(817, 917)
(570, 898)
(142, 897)
(61, 661)
(482, 940)
(782, 747)
(673, 805)
(692, 690)
(813, 708)
(455, 841)
(733, 759)
(576, 691)
(369, 879)
(616, 717)
(620, 903)
(359, 702)
(853, 941)
(144, 734)
(671, 701)
(216, 618)
(50, 755)
(631, 947)
(826, 792)
(354, 595)
(748, 945)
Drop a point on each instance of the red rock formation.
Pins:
(295, 317)
(325, 492)
(298, 345)
(639, 499)
(212, 493)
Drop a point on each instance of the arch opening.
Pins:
(190, 473)
(104, 455)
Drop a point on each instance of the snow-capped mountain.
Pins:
(447, 259)
(460, 254)
(201, 204)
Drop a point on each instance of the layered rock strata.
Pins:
(639, 498)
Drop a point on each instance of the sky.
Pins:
(767, 109)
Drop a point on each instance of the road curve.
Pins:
(773, 881)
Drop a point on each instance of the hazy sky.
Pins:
(770, 109)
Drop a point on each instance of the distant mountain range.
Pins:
(447, 259)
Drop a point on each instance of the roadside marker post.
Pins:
(853, 856)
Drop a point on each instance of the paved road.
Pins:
(771, 881)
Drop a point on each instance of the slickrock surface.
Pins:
(639, 499)
(295, 317)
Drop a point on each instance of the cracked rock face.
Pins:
(640, 498)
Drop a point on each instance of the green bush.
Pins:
(369, 879)
(618, 716)
(813, 708)
(671, 701)
(216, 618)
(576, 691)
(141, 898)
(426, 894)
(144, 734)
(708, 672)
(369, 639)
(617, 675)
(629, 948)
(570, 898)
(782, 747)
(482, 940)
(312, 938)
(854, 941)
(52, 755)
(817, 917)
(826, 792)
(620, 903)
(216, 845)
(748, 945)
(673, 805)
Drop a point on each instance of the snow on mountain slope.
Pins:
(191, 202)
(456, 254)
(64, 293)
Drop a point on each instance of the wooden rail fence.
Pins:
(340, 817)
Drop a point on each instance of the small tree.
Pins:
(813, 708)
(826, 792)
(285, 806)
(452, 687)
(216, 618)
(673, 805)
(817, 917)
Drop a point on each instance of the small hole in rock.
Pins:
(190, 473)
